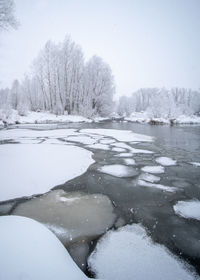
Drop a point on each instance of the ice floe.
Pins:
(118, 170)
(82, 139)
(131, 149)
(153, 169)
(129, 161)
(107, 141)
(120, 135)
(157, 186)
(34, 169)
(126, 155)
(149, 177)
(165, 161)
(30, 251)
(99, 146)
(119, 150)
(188, 209)
(128, 254)
(71, 216)
(197, 164)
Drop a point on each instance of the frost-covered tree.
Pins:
(7, 18)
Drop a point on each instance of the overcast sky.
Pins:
(147, 43)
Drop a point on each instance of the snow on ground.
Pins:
(118, 170)
(144, 117)
(153, 169)
(33, 169)
(120, 135)
(165, 161)
(128, 254)
(129, 161)
(124, 155)
(99, 147)
(149, 177)
(188, 209)
(157, 186)
(197, 164)
(71, 216)
(39, 117)
(30, 251)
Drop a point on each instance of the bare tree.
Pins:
(7, 18)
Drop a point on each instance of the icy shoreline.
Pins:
(12, 118)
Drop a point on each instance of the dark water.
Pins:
(151, 207)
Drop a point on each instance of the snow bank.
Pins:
(118, 170)
(30, 251)
(153, 169)
(12, 117)
(188, 209)
(145, 117)
(166, 161)
(71, 216)
(128, 254)
(33, 169)
(120, 135)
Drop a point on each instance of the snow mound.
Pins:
(71, 216)
(157, 186)
(30, 251)
(128, 254)
(120, 135)
(34, 169)
(188, 209)
(153, 169)
(165, 161)
(118, 170)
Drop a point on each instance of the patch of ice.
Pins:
(157, 186)
(53, 141)
(30, 251)
(149, 177)
(120, 135)
(129, 161)
(119, 150)
(28, 141)
(82, 139)
(99, 147)
(153, 169)
(118, 170)
(71, 216)
(107, 141)
(188, 209)
(131, 149)
(128, 254)
(124, 155)
(165, 161)
(33, 169)
(197, 164)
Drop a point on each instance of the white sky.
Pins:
(147, 43)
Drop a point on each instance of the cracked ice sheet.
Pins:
(34, 169)
(157, 186)
(131, 149)
(153, 169)
(84, 139)
(118, 170)
(165, 161)
(30, 133)
(188, 209)
(129, 253)
(99, 147)
(120, 135)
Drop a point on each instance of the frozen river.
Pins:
(142, 195)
